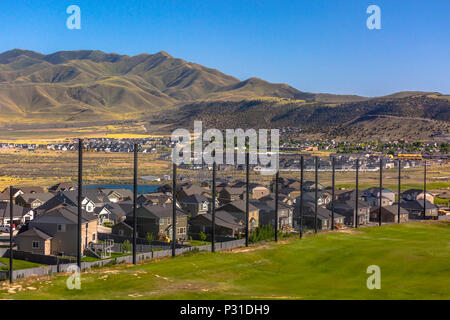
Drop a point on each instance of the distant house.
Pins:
(33, 200)
(20, 214)
(347, 209)
(416, 194)
(62, 186)
(195, 204)
(19, 191)
(69, 198)
(415, 209)
(190, 190)
(154, 199)
(389, 214)
(60, 224)
(225, 225)
(113, 212)
(229, 194)
(323, 217)
(267, 213)
(118, 195)
(372, 196)
(237, 209)
(157, 220)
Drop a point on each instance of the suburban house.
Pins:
(226, 225)
(267, 213)
(62, 186)
(157, 220)
(416, 194)
(123, 229)
(372, 196)
(154, 198)
(323, 197)
(415, 209)
(230, 194)
(238, 210)
(20, 214)
(35, 241)
(189, 190)
(69, 198)
(33, 200)
(389, 214)
(113, 212)
(323, 216)
(347, 209)
(118, 195)
(59, 226)
(195, 204)
(19, 191)
(255, 190)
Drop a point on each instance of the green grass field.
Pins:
(414, 261)
(17, 264)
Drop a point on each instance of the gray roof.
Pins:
(30, 197)
(35, 232)
(18, 211)
(63, 214)
(195, 198)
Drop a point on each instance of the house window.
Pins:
(93, 236)
(205, 206)
(35, 244)
(161, 221)
(121, 233)
(61, 228)
(181, 230)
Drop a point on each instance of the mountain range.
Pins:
(73, 87)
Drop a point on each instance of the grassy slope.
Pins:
(413, 260)
(18, 264)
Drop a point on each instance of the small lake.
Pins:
(142, 188)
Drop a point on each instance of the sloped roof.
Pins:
(195, 198)
(35, 232)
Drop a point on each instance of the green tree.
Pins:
(126, 246)
(150, 237)
(202, 236)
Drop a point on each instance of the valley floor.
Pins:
(413, 258)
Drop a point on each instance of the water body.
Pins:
(141, 189)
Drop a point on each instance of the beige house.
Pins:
(56, 231)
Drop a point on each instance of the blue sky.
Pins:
(313, 45)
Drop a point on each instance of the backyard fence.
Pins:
(62, 267)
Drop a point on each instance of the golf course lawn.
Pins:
(414, 259)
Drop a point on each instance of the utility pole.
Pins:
(399, 189)
(381, 191)
(302, 163)
(277, 176)
(316, 196)
(174, 208)
(80, 196)
(213, 218)
(135, 200)
(355, 216)
(333, 187)
(424, 189)
(11, 218)
(247, 193)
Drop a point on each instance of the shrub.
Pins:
(126, 246)
(202, 236)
